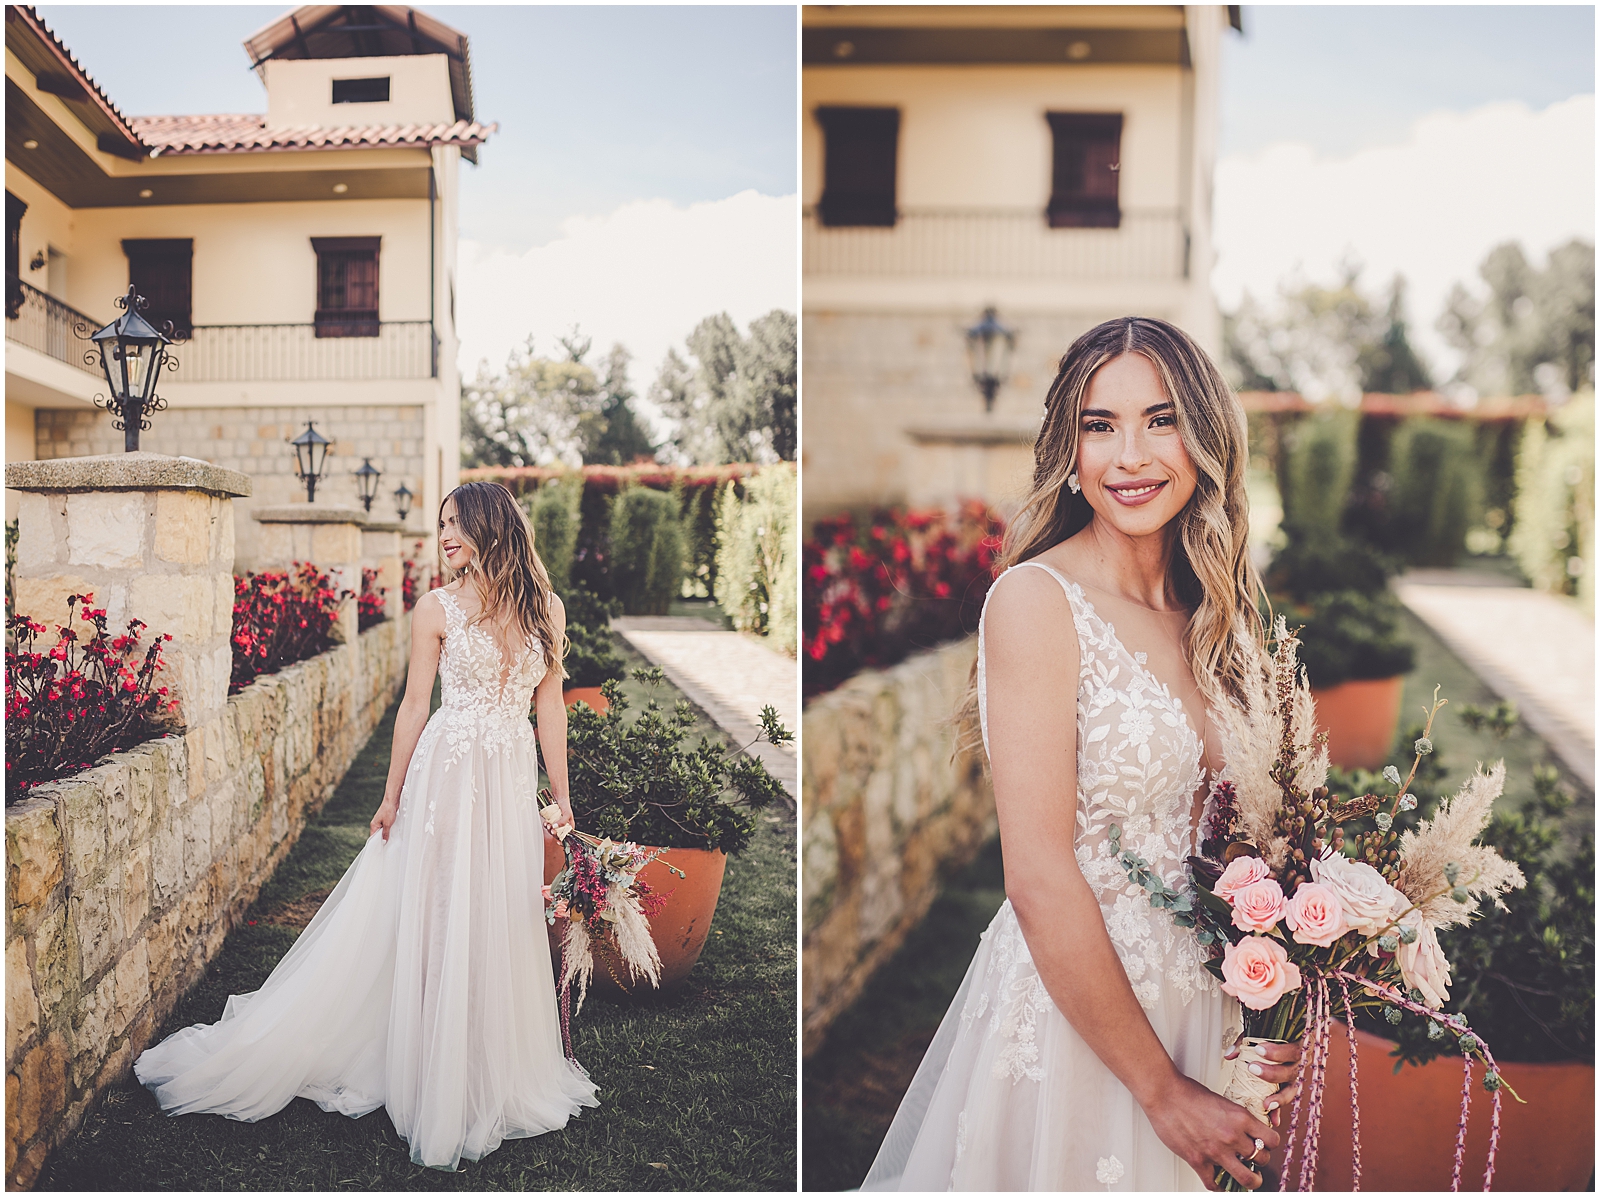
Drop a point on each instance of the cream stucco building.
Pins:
(1053, 163)
(309, 254)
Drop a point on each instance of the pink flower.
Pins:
(1258, 906)
(1256, 970)
(561, 908)
(1315, 915)
(544, 892)
(1241, 871)
(1423, 963)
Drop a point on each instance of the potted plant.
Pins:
(1524, 978)
(636, 780)
(592, 658)
(1354, 651)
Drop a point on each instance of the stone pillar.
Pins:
(151, 537)
(326, 535)
(380, 550)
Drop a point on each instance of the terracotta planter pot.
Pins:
(679, 928)
(1360, 719)
(590, 696)
(1408, 1124)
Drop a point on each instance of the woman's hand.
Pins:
(1285, 1073)
(1207, 1131)
(565, 806)
(384, 819)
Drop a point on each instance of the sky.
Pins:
(1410, 139)
(643, 175)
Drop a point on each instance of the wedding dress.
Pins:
(1009, 1096)
(424, 982)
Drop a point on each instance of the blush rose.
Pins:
(1368, 900)
(1315, 915)
(1258, 906)
(1423, 963)
(1241, 871)
(1256, 970)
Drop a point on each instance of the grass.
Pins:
(853, 1084)
(697, 1086)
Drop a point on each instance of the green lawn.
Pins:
(854, 1082)
(697, 1086)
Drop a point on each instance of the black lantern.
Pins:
(402, 502)
(310, 455)
(367, 478)
(989, 346)
(132, 355)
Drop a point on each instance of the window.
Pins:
(162, 271)
(347, 286)
(859, 165)
(361, 91)
(14, 210)
(1085, 168)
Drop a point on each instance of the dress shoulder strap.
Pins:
(1074, 600)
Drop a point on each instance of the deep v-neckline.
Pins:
(506, 671)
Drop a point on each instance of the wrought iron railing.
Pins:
(999, 243)
(43, 323)
(295, 353)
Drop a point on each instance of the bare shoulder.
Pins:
(1025, 617)
(558, 610)
(428, 614)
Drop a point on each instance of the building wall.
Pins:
(254, 440)
(300, 91)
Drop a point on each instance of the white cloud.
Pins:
(1429, 209)
(643, 275)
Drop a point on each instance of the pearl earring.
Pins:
(1072, 482)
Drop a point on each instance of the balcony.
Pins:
(46, 325)
(305, 353)
(1000, 243)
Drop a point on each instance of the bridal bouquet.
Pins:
(601, 897)
(1309, 918)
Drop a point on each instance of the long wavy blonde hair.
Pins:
(511, 579)
(1211, 569)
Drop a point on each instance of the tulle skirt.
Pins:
(1010, 1098)
(424, 983)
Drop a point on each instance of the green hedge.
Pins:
(755, 581)
(647, 550)
(1436, 490)
(1552, 534)
(554, 513)
(1315, 470)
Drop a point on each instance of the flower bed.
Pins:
(280, 618)
(371, 602)
(74, 703)
(880, 586)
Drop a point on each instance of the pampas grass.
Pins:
(1448, 838)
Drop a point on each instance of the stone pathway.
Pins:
(729, 676)
(1533, 648)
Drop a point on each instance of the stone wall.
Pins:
(886, 814)
(122, 881)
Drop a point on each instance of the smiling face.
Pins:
(1132, 465)
(457, 549)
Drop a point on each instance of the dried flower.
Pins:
(1449, 838)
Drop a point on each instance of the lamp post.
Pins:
(989, 346)
(402, 502)
(310, 456)
(132, 355)
(367, 478)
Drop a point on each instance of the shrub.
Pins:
(1350, 636)
(881, 586)
(646, 550)
(72, 704)
(12, 535)
(280, 618)
(755, 556)
(592, 657)
(1317, 464)
(1552, 534)
(553, 510)
(634, 779)
(370, 603)
(1436, 490)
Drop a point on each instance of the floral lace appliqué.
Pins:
(1108, 1170)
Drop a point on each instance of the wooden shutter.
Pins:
(1085, 169)
(347, 286)
(858, 179)
(162, 271)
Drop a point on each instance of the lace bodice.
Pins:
(1139, 766)
(484, 699)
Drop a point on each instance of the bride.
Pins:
(424, 983)
(1085, 1046)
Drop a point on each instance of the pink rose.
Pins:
(1241, 871)
(1256, 970)
(561, 908)
(1258, 906)
(544, 892)
(1315, 915)
(1423, 963)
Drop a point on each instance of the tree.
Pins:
(1534, 331)
(616, 436)
(735, 399)
(1324, 342)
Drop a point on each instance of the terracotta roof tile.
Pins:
(248, 133)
